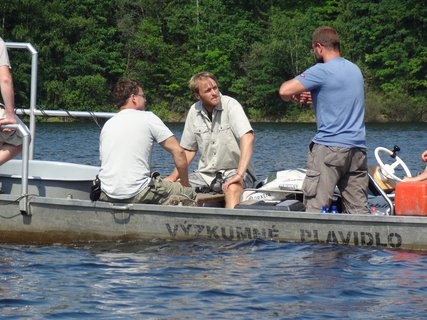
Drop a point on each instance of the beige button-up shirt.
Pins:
(218, 140)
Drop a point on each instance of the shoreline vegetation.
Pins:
(399, 109)
(305, 116)
(85, 46)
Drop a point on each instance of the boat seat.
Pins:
(387, 185)
(210, 200)
(202, 200)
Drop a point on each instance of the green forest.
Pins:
(252, 46)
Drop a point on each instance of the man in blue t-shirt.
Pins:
(337, 154)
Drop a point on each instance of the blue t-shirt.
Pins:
(337, 91)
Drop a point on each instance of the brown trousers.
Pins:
(331, 167)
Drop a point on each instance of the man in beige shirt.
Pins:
(217, 126)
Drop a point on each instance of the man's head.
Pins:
(128, 93)
(204, 87)
(324, 39)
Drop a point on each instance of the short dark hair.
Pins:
(194, 81)
(123, 89)
(326, 36)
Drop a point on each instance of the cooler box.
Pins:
(411, 199)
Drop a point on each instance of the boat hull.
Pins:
(48, 179)
(56, 220)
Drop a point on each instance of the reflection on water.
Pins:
(211, 279)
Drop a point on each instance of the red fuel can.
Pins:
(411, 198)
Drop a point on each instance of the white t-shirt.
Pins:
(125, 146)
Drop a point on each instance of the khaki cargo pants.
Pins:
(330, 167)
(157, 192)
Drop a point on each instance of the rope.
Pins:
(19, 198)
(95, 119)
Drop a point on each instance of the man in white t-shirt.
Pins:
(126, 143)
(10, 140)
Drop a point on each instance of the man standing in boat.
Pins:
(126, 143)
(337, 154)
(10, 140)
(217, 126)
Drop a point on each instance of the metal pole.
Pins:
(383, 194)
(33, 92)
(63, 113)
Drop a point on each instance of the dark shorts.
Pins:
(200, 180)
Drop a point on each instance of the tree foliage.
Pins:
(252, 46)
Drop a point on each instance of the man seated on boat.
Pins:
(218, 127)
(10, 140)
(422, 176)
(126, 143)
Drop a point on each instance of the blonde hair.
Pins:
(193, 84)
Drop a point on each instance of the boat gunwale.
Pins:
(248, 213)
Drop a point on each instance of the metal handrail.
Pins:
(33, 111)
(28, 135)
(33, 89)
(383, 194)
(64, 113)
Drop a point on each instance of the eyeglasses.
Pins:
(140, 95)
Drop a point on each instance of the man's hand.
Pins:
(7, 120)
(303, 97)
(238, 178)
(170, 178)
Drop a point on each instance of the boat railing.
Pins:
(32, 112)
(65, 113)
(382, 193)
(28, 134)
(33, 87)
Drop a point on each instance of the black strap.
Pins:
(95, 189)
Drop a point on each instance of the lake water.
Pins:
(215, 279)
